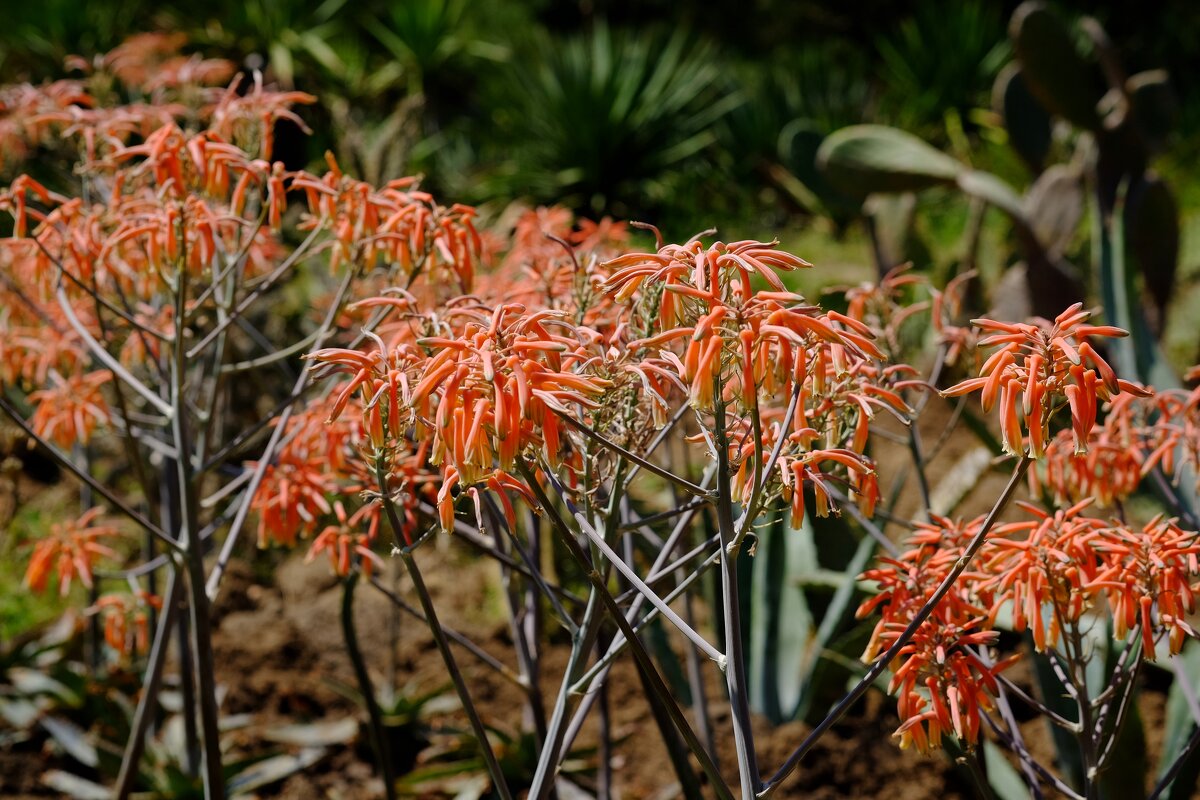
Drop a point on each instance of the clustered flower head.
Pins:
(1038, 366)
(71, 549)
(127, 620)
(1137, 436)
(942, 678)
(737, 348)
(1054, 572)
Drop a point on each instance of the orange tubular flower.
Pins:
(1037, 366)
(127, 621)
(1051, 564)
(761, 348)
(68, 413)
(343, 539)
(941, 680)
(1147, 571)
(72, 549)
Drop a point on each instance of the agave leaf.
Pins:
(863, 159)
(1137, 356)
(1053, 69)
(73, 739)
(1126, 776)
(659, 645)
(1050, 692)
(839, 610)
(1181, 719)
(1027, 123)
(273, 770)
(780, 620)
(677, 751)
(1004, 779)
(75, 786)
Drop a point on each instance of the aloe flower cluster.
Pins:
(1061, 571)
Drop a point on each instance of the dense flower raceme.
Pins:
(1039, 366)
(180, 202)
(71, 549)
(445, 398)
(941, 678)
(1054, 571)
(476, 383)
(127, 620)
(714, 332)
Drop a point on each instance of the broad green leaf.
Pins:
(1004, 779)
(780, 621)
(1179, 724)
(863, 159)
(994, 191)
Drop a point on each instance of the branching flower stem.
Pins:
(639, 651)
(634, 458)
(379, 742)
(151, 683)
(65, 461)
(439, 635)
(735, 666)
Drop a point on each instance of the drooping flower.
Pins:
(942, 678)
(127, 621)
(346, 538)
(1038, 366)
(71, 549)
(69, 412)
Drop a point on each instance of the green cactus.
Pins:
(1027, 123)
(863, 159)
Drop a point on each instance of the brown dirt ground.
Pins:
(277, 646)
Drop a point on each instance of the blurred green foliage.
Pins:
(680, 112)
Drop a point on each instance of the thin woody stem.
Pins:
(881, 662)
(699, 641)
(439, 635)
(151, 683)
(65, 461)
(654, 680)
(377, 735)
(106, 358)
(735, 668)
(665, 474)
(260, 469)
(453, 636)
